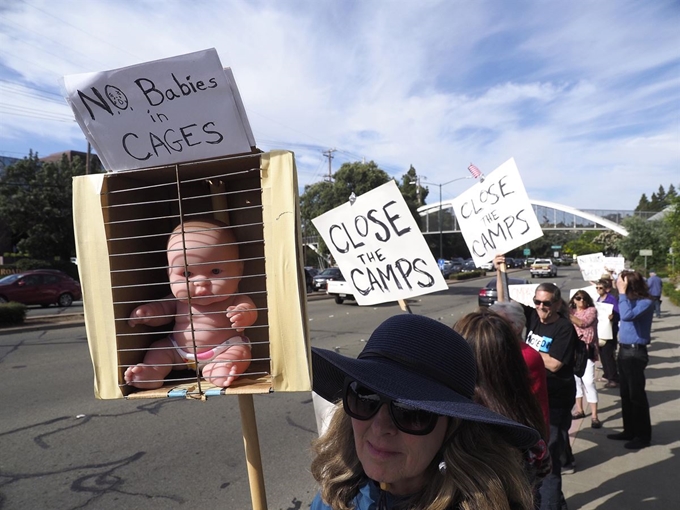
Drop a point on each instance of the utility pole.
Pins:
(87, 158)
(329, 155)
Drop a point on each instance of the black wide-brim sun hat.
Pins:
(419, 362)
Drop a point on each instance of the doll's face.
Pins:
(213, 272)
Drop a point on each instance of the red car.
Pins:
(40, 287)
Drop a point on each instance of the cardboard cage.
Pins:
(122, 222)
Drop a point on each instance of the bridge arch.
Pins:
(551, 216)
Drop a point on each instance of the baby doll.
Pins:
(218, 316)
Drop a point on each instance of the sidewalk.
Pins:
(608, 476)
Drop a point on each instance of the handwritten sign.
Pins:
(614, 265)
(160, 113)
(495, 216)
(379, 248)
(523, 293)
(592, 266)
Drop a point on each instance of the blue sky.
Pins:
(585, 95)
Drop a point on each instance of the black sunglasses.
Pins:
(577, 298)
(363, 403)
(547, 304)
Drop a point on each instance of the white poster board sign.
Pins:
(160, 113)
(614, 265)
(379, 248)
(604, 325)
(591, 266)
(495, 216)
(523, 293)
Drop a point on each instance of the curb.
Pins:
(44, 322)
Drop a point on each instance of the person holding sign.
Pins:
(583, 315)
(551, 333)
(407, 433)
(209, 314)
(608, 335)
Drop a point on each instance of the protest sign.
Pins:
(379, 248)
(614, 265)
(604, 325)
(495, 216)
(159, 113)
(523, 293)
(591, 266)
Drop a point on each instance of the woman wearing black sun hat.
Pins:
(407, 433)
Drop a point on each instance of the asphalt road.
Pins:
(60, 448)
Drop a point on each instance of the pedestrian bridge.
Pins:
(551, 216)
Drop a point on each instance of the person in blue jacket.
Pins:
(406, 433)
(636, 308)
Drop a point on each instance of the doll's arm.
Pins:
(242, 313)
(149, 313)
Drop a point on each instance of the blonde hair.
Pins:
(483, 472)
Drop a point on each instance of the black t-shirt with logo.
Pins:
(558, 339)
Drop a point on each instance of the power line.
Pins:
(80, 29)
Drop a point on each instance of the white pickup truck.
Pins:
(543, 267)
(340, 290)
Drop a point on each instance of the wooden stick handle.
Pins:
(503, 293)
(404, 306)
(251, 442)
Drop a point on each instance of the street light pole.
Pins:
(441, 233)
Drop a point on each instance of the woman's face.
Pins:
(391, 456)
(580, 301)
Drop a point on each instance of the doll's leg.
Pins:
(225, 368)
(148, 375)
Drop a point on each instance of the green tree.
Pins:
(609, 241)
(643, 204)
(584, 244)
(645, 235)
(672, 221)
(357, 178)
(36, 205)
(414, 194)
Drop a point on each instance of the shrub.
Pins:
(671, 292)
(12, 313)
(467, 276)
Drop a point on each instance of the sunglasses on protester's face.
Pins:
(577, 298)
(363, 404)
(547, 304)
(599, 288)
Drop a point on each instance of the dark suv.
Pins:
(40, 287)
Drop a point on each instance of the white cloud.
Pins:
(584, 95)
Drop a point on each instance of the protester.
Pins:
(637, 310)
(608, 350)
(514, 314)
(655, 285)
(584, 317)
(430, 446)
(503, 380)
(551, 333)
